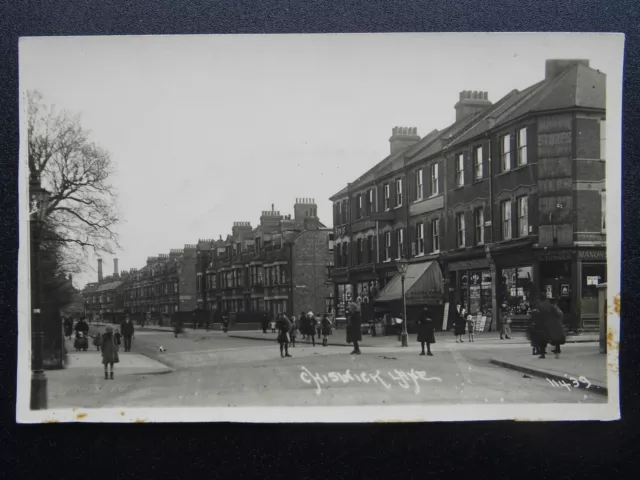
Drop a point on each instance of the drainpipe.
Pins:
(492, 267)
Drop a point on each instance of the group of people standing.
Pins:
(546, 328)
(288, 328)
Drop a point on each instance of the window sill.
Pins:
(435, 252)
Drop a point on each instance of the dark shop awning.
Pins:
(422, 282)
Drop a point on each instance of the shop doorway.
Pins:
(555, 283)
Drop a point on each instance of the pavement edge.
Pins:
(596, 388)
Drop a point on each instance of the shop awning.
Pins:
(422, 282)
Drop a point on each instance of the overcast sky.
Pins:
(208, 130)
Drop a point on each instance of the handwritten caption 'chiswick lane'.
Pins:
(397, 377)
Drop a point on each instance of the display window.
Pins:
(592, 275)
(516, 289)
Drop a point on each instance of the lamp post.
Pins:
(38, 203)
(403, 266)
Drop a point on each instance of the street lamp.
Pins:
(38, 203)
(403, 266)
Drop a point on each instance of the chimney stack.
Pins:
(99, 269)
(303, 208)
(555, 67)
(402, 138)
(470, 103)
(115, 268)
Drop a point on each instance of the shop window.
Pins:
(478, 158)
(420, 238)
(506, 219)
(387, 196)
(460, 228)
(523, 216)
(460, 170)
(419, 185)
(435, 235)
(592, 276)
(522, 147)
(506, 153)
(475, 292)
(517, 288)
(434, 179)
(478, 216)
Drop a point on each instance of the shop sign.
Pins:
(565, 289)
(549, 291)
(553, 256)
(593, 280)
(469, 264)
(598, 255)
(341, 230)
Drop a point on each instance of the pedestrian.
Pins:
(426, 332)
(459, 323)
(68, 327)
(264, 318)
(540, 335)
(109, 350)
(177, 327)
(127, 333)
(311, 327)
(326, 329)
(273, 325)
(303, 325)
(471, 327)
(354, 327)
(82, 327)
(555, 328)
(97, 341)
(505, 322)
(318, 326)
(294, 330)
(284, 329)
(118, 337)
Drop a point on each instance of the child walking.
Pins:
(284, 327)
(273, 327)
(471, 327)
(325, 325)
(97, 341)
(109, 352)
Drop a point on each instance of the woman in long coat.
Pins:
(354, 327)
(555, 330)
(426, 332)
(284, 327)
(459, 323)
(109, 352)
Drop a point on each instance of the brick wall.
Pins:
(187, 274)
(310, 256)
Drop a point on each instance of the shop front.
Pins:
(423, 286)
(471, 283)
(592, 272)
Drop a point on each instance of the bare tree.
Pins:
(82, 209)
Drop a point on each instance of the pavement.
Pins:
(339, 338)
(215, 369)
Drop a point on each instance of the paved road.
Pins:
(211, 369)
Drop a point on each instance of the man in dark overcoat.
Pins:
(354, 327)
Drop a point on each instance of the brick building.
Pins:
(106, 296)
(280, 266)
(507, 202)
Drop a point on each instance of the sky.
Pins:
(208, 130)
